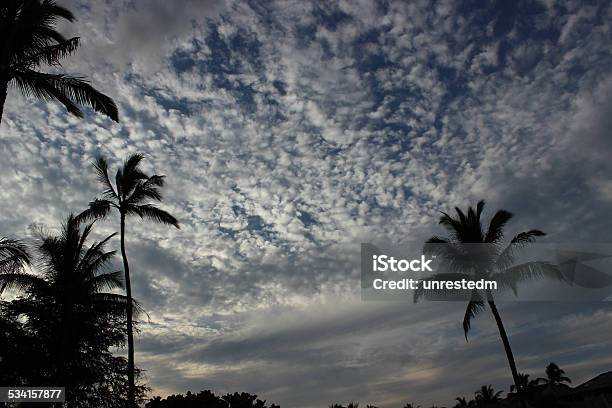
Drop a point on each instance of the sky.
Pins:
(289, 132)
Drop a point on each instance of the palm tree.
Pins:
(554, 375)
(487, 395)
(29, 41)
(68, 307)
(472, 253)
(462, 402)
(526, 385)
(130, 195)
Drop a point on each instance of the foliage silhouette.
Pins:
(554, 375)
(209, 400)
(29, 41)
(486, 395)
(130, 195)
(71, 319)
(462, 402)
(527, 386)
(13, 257)
(473, 253)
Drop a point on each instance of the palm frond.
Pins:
(22, 282)
(132, 163)
(142, 192)
(452, 225)
(13, 255)
(527, 271)
(479, 207)
(506, 256)
(131, 175)
(153, 213)
(68, 90)
(106, 281)
(474, 307)
(51, 9)
(98, 209)
(495, 232)
(94, 261)
(527, 237)
(156, 180)
(117, 302)
(50, 55)
(74, 224)
(101, 167)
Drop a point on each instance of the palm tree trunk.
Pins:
(3, 93)
(130, 330)
(507, 348)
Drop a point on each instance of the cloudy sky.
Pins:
(292, 131)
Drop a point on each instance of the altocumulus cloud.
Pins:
(291, 131)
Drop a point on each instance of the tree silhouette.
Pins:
(554, 375)
(29, 41)
(209, 400)
(74, 317)
(462, 402)
(526, 385)
(487, 395)
(130, 195)
(472, 253)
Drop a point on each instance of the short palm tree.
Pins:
(487, 395)
(554, 376)
(525, 384)
(29, 41)
(472, 253)
(462, 402)
(130, 195)
(69, 304)
(13, 257)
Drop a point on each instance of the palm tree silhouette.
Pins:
(129, 196)
(487, 395)
(484, 257)
(526, 385)
(462, 402)
(29, 41)
(68, 305)
(554, 375)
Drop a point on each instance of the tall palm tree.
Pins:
(29, 41)
(472, 253)
(69, 306)
(130, 195)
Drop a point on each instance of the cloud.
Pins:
(136, 34)
(290, 132)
